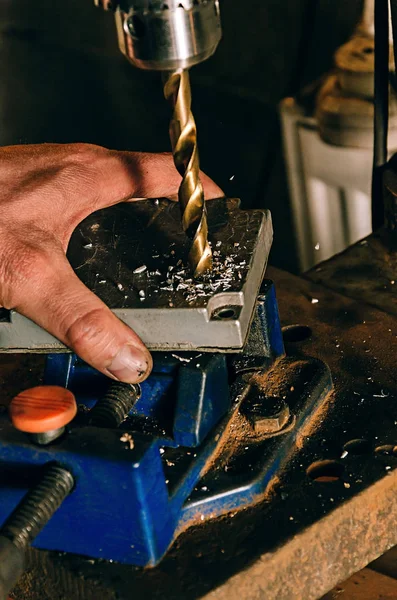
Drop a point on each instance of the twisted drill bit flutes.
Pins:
(183, 136)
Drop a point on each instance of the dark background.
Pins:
(62, 79)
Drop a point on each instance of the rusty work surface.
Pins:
(306, 536)
(366, 271)
(365, 585)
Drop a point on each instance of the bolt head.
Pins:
(271, 424)
(267, 414)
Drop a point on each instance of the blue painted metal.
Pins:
(128, 504)
(270, 320)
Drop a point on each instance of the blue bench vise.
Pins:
(197, 443)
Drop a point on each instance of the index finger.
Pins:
(129, 175)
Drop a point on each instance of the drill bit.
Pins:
(183, 136)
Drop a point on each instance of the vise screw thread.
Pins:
(37, 507)
(111, 410)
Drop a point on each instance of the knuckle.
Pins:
(85, 152)
(88, 156)
(90, 331)
(83, 166)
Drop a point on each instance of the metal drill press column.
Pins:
(183, 136)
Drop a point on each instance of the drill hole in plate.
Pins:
(226, 313)
(325, 471)
(358, 447)
(296, 333)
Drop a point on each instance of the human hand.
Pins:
(45, 192)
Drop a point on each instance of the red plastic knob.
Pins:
(43, 408)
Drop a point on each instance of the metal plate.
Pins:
(169, 311)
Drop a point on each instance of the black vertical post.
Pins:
(381, 107)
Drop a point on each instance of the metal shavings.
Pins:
(102, 281)
(344, 454)
(127, 438)
(157, 202)
(317, 246)
(226, 274)
(87, 246)
(120, 286)
(381, 395)
(180, 358)
(140, 270)
(314, 300)
(347, 485)
(162, 450)
(231, 178)
(141, 294)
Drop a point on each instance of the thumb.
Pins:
(53, 297)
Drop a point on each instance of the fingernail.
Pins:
(130, 365)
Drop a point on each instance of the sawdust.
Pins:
(315, 421)
(275, 382)
(50, 581)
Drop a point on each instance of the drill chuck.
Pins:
(166, 35)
